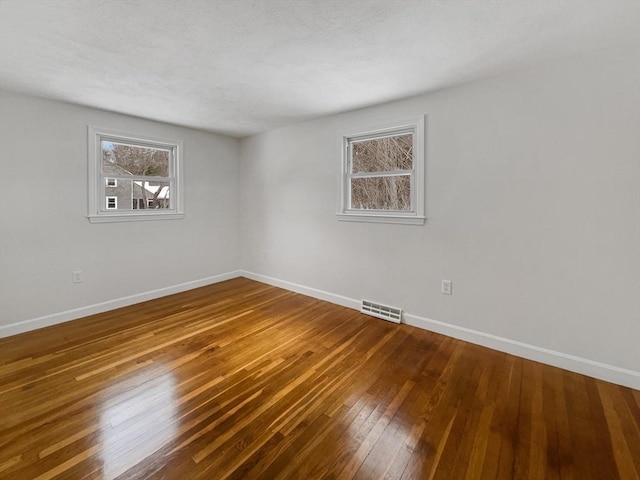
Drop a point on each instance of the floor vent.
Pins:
(381, 311)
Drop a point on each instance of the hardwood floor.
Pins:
(242, 380)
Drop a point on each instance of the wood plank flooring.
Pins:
(240, 380)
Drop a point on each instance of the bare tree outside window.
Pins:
(381, 173)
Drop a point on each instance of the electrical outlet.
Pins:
(446, 287)
(76, 276)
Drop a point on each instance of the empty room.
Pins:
(320, 239)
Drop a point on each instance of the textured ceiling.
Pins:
(244, 66)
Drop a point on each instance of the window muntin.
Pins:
(382, 175)
(143, 174)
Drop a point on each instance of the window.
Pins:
(133, 177)
(382, 174)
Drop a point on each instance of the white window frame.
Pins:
(416, 214)
(108, 179)
(115, 203)
(97, 180)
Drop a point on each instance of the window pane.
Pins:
(132, 195)
(383, 154)
(381, 193)
(151, 195)
(122, 159)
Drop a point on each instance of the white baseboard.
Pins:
(591, 368)
(48, 320)
(609, 373)
(310, 292)
(602, 371)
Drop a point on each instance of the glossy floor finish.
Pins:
(243, 380)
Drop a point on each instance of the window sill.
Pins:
(378, 218)
(134, 217)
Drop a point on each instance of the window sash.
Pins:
(172, 155)
(377, 136)
(411, 209)
(170, 209)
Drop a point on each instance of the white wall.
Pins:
(45, 234)
(533, 206)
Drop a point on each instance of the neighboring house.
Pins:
(118, 192)
(125, 194)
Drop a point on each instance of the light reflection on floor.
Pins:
(387, 422)
(136, 423)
